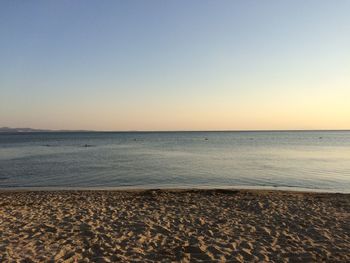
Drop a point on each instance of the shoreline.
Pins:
(174, 189)
(174, 225)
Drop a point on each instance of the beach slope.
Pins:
(174, 225)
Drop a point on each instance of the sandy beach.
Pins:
(174, 226)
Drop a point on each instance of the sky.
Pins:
(175, 65)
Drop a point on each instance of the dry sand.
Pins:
(180, 226)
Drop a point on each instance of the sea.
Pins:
(286, 160)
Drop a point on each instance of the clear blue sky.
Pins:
(175, 65)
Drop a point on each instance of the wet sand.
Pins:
(174, 226)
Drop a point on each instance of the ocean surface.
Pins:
(308, 160)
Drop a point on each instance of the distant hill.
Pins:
(7, 129)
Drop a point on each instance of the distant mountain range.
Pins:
(7, 129)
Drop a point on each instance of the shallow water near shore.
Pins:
(315, 160)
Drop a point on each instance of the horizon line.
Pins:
(33, 130)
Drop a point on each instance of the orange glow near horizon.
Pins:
(231, 65)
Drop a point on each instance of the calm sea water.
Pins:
(298, 160)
